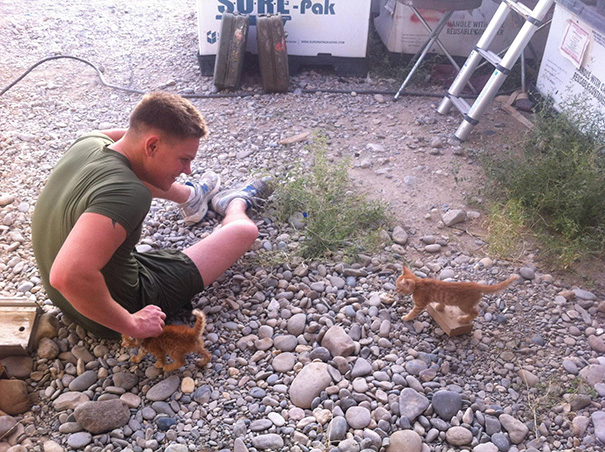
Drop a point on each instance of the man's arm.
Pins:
(76, 273)
(114, 134)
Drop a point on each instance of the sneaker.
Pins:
(252, 191)
(194, 210)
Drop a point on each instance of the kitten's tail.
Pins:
(200, 323)
(498, 287)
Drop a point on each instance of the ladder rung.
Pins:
(519, 8)
(490, 56)
(461, 105)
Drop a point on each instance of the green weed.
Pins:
(506, 228)
(335, 217)
(559, 182)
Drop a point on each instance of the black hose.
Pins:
(44, 60)
(211, 96)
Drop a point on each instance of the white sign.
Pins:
(560, 78)
(574, 43)
(333, 27)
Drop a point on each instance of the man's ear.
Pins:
(151, 145)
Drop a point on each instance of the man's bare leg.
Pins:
(221, 249)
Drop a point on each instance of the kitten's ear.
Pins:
(406, 285)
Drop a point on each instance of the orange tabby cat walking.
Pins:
(175, 341)
(464, 295)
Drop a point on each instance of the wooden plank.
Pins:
(448, 320)
(18, 318)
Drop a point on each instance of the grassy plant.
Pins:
(336, 218)
(506, 226)
(559, 182)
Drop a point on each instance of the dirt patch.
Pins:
(424, 172)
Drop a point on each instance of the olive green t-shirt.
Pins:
(90, 177)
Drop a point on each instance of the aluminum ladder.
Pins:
(533, 21)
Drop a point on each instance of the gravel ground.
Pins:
(305, 355)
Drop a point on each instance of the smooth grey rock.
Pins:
(284, 362)
(415, 366)
(458, 436)
(446, 404)
(52, 446)
(338, 342)
(405, 441)
(104, 416)
(125, 380)
(358, 417)
(18, 366)
(593, 374)
(6, 424)
(176, 448)
(285, 343)
(579, 424)
(309, 382)
(268, 441)
(14, 398)
(454, 216)
(400, 236)
(596, 343)
(361, 368)
(81, 352)
(79, 440)
(164, 389)
(84, 381)
(584, 294)
(517, 430)
(69, 401)
(485, 447)
(297, 323)
(48, 327)
(527, 272)
(202, 394)
(238, 446)
(501, 442)
(598, 421)
(412, 404)
(338, 428)
(48, 349)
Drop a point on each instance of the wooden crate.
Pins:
(19, 319)
(448, 320)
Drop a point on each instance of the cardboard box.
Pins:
(313, 27)
(402, 32)
(572, 69)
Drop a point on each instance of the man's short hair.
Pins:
(169, 113)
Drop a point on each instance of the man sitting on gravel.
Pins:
(89, 217)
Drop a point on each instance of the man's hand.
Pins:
(76, 273)
(148, 322)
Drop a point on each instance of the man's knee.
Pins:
(248, 230)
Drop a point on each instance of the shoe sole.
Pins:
(195, 219)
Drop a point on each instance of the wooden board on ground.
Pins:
(448, 320)
(18, 318)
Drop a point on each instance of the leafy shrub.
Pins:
(560, 180)
(335, 217)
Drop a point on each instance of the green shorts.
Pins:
(168, 279)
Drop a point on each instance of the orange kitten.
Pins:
(175, 341)
(464, 295)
